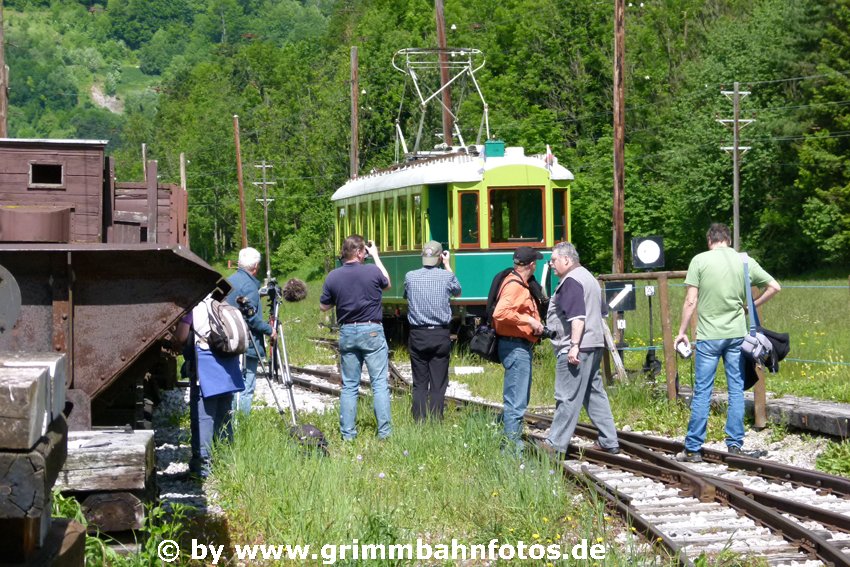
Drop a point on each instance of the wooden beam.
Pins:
(153, 196)
(667, 337)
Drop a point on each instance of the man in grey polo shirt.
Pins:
(428, 291)
(575, 314)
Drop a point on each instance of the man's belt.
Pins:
(363, 323)
(429, 326)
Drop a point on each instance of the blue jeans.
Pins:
(359, 344)
(708, 354)
(516, 358)
(242, 400)
(209, 420)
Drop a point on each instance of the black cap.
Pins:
(526, 255)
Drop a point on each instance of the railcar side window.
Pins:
(46, 176)
(469, 218)
(363, 215)
(376, 225)
(417, 223)
(389, 215)
(516, 215)
(559, 215)
(404, 237)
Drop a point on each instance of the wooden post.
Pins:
(354, 150)
(4, 80)
(242, 221)
(183, 205)
(444, 72)
(144, 161)
(153, 198)
(667, 337)
(619, 133)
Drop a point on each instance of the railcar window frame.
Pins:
(460, 216)
(521, 241)
(559, 197)
(404, 233)
(34, 182)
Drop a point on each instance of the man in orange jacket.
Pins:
(517, 323)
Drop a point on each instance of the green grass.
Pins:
(436, 482)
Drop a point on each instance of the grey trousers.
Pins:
(577, 386)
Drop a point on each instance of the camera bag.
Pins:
(756, 346)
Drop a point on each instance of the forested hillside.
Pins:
(172, 73)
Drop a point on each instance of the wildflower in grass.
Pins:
(535, 536)
(551, 472)
(495, 493)
(557, 536)
(545, 520)
(381, 475)
(405, 453)
(359, 457)
(660, 539)
(522, 466)
(421, 467)
(600, 540)
(511, 530)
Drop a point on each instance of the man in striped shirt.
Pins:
(428, 291)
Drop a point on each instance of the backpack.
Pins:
(484, 341)
(228, 331)
(533, 287)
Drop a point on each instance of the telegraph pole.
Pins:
(4, 81)
(444, 73)
(265, 201)
(619, 135)
(737, 152)
(239, 181)
(354, 150)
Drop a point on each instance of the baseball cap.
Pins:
(526, 255)
(431, 253)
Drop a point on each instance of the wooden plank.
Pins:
(114, 511)
(20, 538)
(56, 365)
(74, 161)
(126, 233)
(26, 479)
(129, 216)
(23, 402)
(91, 185)
(153, 196)
(107, 460)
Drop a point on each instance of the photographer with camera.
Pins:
(516, 320)
(356, 289)
(428, 291)
(575, 319)
(245, 284)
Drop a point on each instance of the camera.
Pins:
(271, 289)
(683, 349)
(246, 308)
(549, 333)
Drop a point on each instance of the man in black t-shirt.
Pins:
(356, 289)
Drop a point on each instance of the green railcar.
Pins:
(481, 202)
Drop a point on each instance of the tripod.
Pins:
(307, 435)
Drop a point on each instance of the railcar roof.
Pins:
(455, 168)
(54, 142)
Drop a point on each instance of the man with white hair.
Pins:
(245, 283)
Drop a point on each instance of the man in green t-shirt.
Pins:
(715, 282)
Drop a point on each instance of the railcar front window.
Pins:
(516, 215)
(469, 219)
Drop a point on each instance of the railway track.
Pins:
(782, 514)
